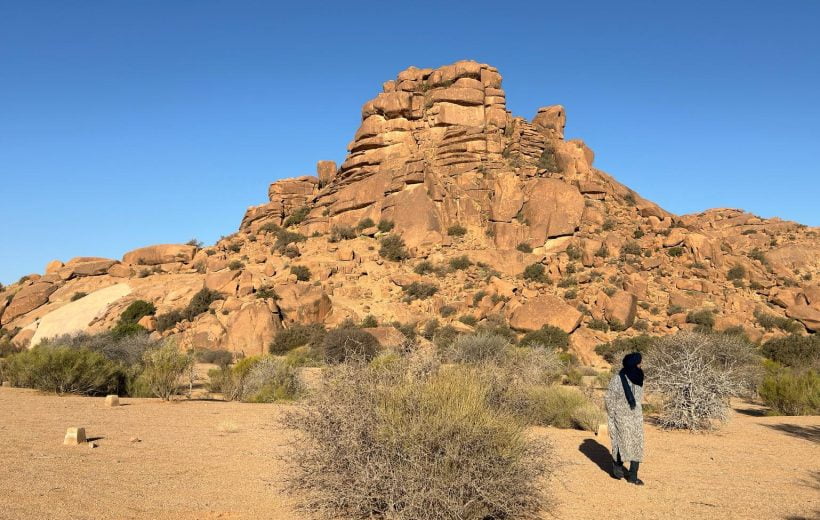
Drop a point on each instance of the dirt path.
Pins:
(206, 459)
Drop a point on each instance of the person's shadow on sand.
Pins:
(597, 453)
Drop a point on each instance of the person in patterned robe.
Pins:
(625, 418)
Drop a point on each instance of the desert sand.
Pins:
(210, 459)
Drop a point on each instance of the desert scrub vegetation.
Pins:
(773, 321)
(297, 335)
(339, 233)
(547, 336)
(460, 263)
(524, 247)
(696, 374)
(258, 379)
(220, 357)
(535, 272)
(419, 291)
(794, 351)
(163, 370)
(200, 303)
(790, 391)
(284, 238)
(385, 226)
(456, 230)
(349, 344)
(302, 272)
(388, 441)
(65, 370)
(297, 217)
(393, 248)
(614, 351)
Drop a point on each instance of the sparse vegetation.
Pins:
(524, 247)
(772, 321)
(788, 391)
(302, 272)
(297, 217)
(385, 226)
(419, 291)
(456, 230)
(737, 272)
(236, 265)
(339, 233)
(460, 263)
(703, 318)
(164, 367)
(548, 337)
(393, 248)
(349, 344)
(297, 335)
(77, 295)
(675, 251)
(536, 273)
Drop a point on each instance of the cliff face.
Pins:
(438, 156)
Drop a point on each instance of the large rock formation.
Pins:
(438, 156)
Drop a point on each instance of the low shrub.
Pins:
(393, 249)
(419, 291)
(772, 321)
(365, 223)
(388, 441)
(446, 311)
(524, 247)
(137, 310)
(64, 370)
(168, 320)
(77, 295)
(675, 251)
(424, 267)
(794, 351)
(703, 318)
(535, 273)
(219, 357)
(164, 368)
(349, 344)
(468, 319)
(339, 233)
(297, 217)
(122, 330)
(574, 252)
(561, 407)
(385, 226)
(369, 321)
(790, 392)
(284, 238)
(460, 263)
(737, 272)
(302, 272)
(597, 324)
(297, 335)
(475, 348)
(456, 230)
(263, 379)
(631, 248)
(547, 336)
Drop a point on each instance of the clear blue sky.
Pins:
(128, 123)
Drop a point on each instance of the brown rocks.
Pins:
(553, 208)
(545, 310)
(808, 316)
(251, 330)
(74, 436)
(27, 299)
(325, 170)
(621, 307)
(551, 120)
(160, 254)
(303, 303)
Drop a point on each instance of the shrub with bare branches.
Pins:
(383, 441)
(696, 374)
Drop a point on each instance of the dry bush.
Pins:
(382, 441)
(164, 368)
(271, 379)
(696, 374)
(475, 348)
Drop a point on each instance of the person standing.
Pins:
(625, 418)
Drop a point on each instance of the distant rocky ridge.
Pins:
(437, 153)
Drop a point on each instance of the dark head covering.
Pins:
(633, 373)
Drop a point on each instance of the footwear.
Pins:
(632, 474)
(618, 470)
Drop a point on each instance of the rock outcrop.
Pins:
(478, 196)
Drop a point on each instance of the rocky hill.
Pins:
(448, 207)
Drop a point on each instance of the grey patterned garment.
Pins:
(625, 424)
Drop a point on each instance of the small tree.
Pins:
(164, 367)
(696, 374)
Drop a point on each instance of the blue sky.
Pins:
(128, 123)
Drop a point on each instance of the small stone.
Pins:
(92, 445)
(6, 384)
(112, 400)
(135, 439)
(74, 436)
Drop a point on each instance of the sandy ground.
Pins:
(209, 459)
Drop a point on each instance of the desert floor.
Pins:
(211, 459)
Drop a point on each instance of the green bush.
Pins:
(772, 321)
(164, 368)
(446, 311)
(219, 357)
(737, 272)
(789, 391)
(297, 217)
(535, 272)
(596, 324)
(235, 265)
(169, 319)
(674, 309)
(548, 161)
(385, 226)
(297, 335)
(547, 336)
(77, 295)
(608, 225)
(602, 251)
(137, 310)
(675, 251)
(122, 330)
(561, 407)
(369, 322)
(524, 247)
(349, 344)
(567, 281)
(614, 351)
(65, 370)
(201, 302)
(574, 252)
(393, 249)
(302, 272)
(424, 267)
(794, 351)
(339, 233)
(468, 319)
(631, 248)
(365, 223)
(285, 238)
(419, 291)
(475, 348)
(460, 263)
(456, 230)
(704, 318)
